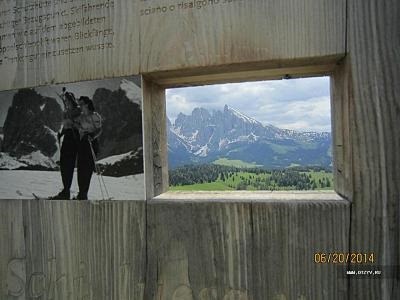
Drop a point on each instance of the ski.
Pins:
(37, 197)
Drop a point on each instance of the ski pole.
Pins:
(97, 168)
(62, 96)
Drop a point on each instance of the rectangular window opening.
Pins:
(260, 136)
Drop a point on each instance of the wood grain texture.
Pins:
(233, 249)
(286, 237)
(373, 45)
(73, 250)
(237, 74)
(239, 32)
(115, 26)
(223, 33)
(155, 139)
(341, 104)
(225, 250)
(199, 251)
(12, 250)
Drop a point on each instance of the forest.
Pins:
(218, 177)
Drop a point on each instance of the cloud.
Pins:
(300, 104)
(179, 104)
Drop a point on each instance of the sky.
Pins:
(298, 104)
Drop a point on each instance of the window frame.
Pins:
(155, 118)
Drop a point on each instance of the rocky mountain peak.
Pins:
(122, 121)
(132, 90)
(230, 133)
(240, 116)
(41, 120)
(201, 114)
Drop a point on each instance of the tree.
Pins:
(222, 177)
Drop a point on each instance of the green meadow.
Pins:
(257, 179)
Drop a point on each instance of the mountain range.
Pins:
(32, 144)
(204, 137)
(201, 137)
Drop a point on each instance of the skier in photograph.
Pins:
(89, 125)
(69, 147)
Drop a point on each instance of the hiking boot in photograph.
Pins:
(80, 197)
(63, 195)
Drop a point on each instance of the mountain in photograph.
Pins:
(29, 137)
(205, 137)
(30, 131)
(122, 119)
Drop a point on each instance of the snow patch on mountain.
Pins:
(203, 151)
(37, 158)
(194, 135)
(185, 140)
(34, 159)
(8, 162)
(241, 115)
(253, 137)
(56, 155)
(133, 92)
(116, 158)
(223, 143)
(113, 159)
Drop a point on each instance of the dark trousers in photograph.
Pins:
(86, 166)
(68, 153)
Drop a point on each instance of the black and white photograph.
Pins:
(79, 141)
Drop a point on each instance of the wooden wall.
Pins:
(235, 247)
(240, 32)
(212, 250)
(72, 250)
(222, 32)
(374, 59)
(245, 246)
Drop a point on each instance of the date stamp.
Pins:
(354, 258)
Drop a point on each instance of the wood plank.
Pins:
(67, 41)
(73, 250)
(245, 247)
(12, 250)
(228, 32)
(220, 33)
(373, 43)
(155, 139)
(166, 80)
(341, 99)
(199, 251)
(287, 235)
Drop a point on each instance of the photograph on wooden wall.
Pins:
(73, 141)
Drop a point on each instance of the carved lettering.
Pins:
(208, 294)
(16, 277)
(182, 6)
(37, 285)
(183, 292)
(42, 30)
(236, 295)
